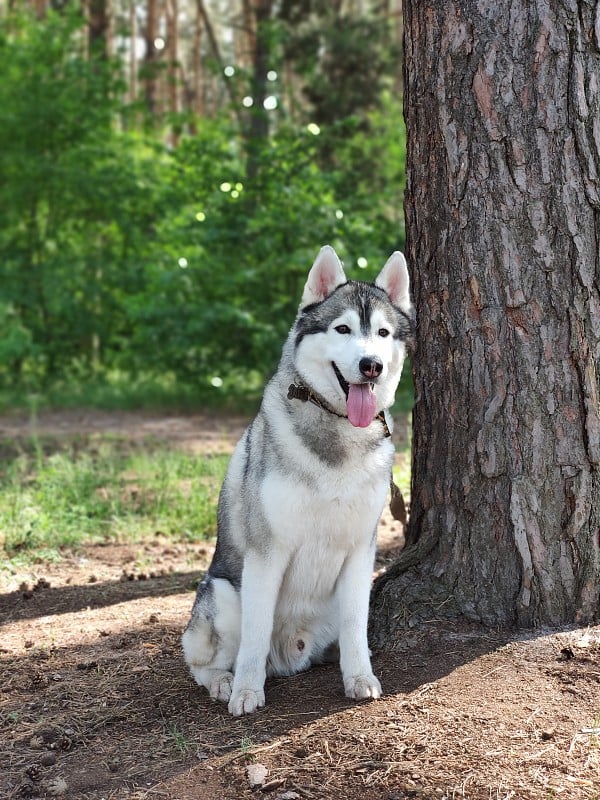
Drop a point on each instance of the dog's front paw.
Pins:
(246, 701)
(220, 687)
(362, 687)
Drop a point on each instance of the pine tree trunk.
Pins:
(197, 69)
(151, 57)
(174, 68)
(99, 28)
(133, 66)
(502, 106)
(258, 128)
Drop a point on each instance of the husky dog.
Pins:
(290, 579)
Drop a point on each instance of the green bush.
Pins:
(120, 256)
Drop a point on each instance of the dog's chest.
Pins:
(313, 570)
(322, 518)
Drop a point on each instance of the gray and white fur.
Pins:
(290, 579)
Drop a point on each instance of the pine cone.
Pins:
(34, 772)
(39, 680)
(63, 743)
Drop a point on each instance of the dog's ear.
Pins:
(325, 275)
(394, 280)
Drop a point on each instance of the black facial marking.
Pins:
(364, 298)
(364, 314)
(341, 380)
(308, 326)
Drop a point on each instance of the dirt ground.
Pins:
(96, 702)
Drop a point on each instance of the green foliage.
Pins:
(124, 260)
(55, 496)
(344, 61)
(72, 199)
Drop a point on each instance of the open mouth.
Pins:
(361, 402)
(341, 380)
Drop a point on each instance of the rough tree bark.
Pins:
(502, 105)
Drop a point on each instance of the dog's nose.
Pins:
(370, 367)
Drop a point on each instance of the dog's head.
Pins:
(350, 336)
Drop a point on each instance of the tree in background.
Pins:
(343, 61)
(141, 238)
(56, 147)
(502, 207)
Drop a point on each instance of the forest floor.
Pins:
(96, 702)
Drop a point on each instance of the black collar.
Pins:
(296, 392)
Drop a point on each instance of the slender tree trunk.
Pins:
(151, 57)
(133, 66)
(247, 34)
(216, 54)
(41, 6)
(502, 107)
(398, 23)
(197, 67)
(258, 128)
(172, 12)
(99, 28)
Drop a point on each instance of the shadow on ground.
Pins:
(41, 600)
(123, 704)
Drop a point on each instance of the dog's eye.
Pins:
(383, 332)
(342, 329)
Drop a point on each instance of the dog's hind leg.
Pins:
(212, 638)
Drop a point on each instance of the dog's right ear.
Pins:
(325, 275)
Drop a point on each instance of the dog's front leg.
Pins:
(353, 593)
(261, 579)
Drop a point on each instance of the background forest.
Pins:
(168, 171)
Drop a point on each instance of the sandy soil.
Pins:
(96, 702)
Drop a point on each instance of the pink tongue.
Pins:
(361, 404)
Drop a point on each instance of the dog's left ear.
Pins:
(325, 275)
(394, 280)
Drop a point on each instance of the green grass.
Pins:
(402, 462)
(116, 391)
(405, 392)
(55, 496)
(401, 473)
(182, 744)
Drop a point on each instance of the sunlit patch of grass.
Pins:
(402, 460)
(404, 393)
(401, 473)
(55, 496)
